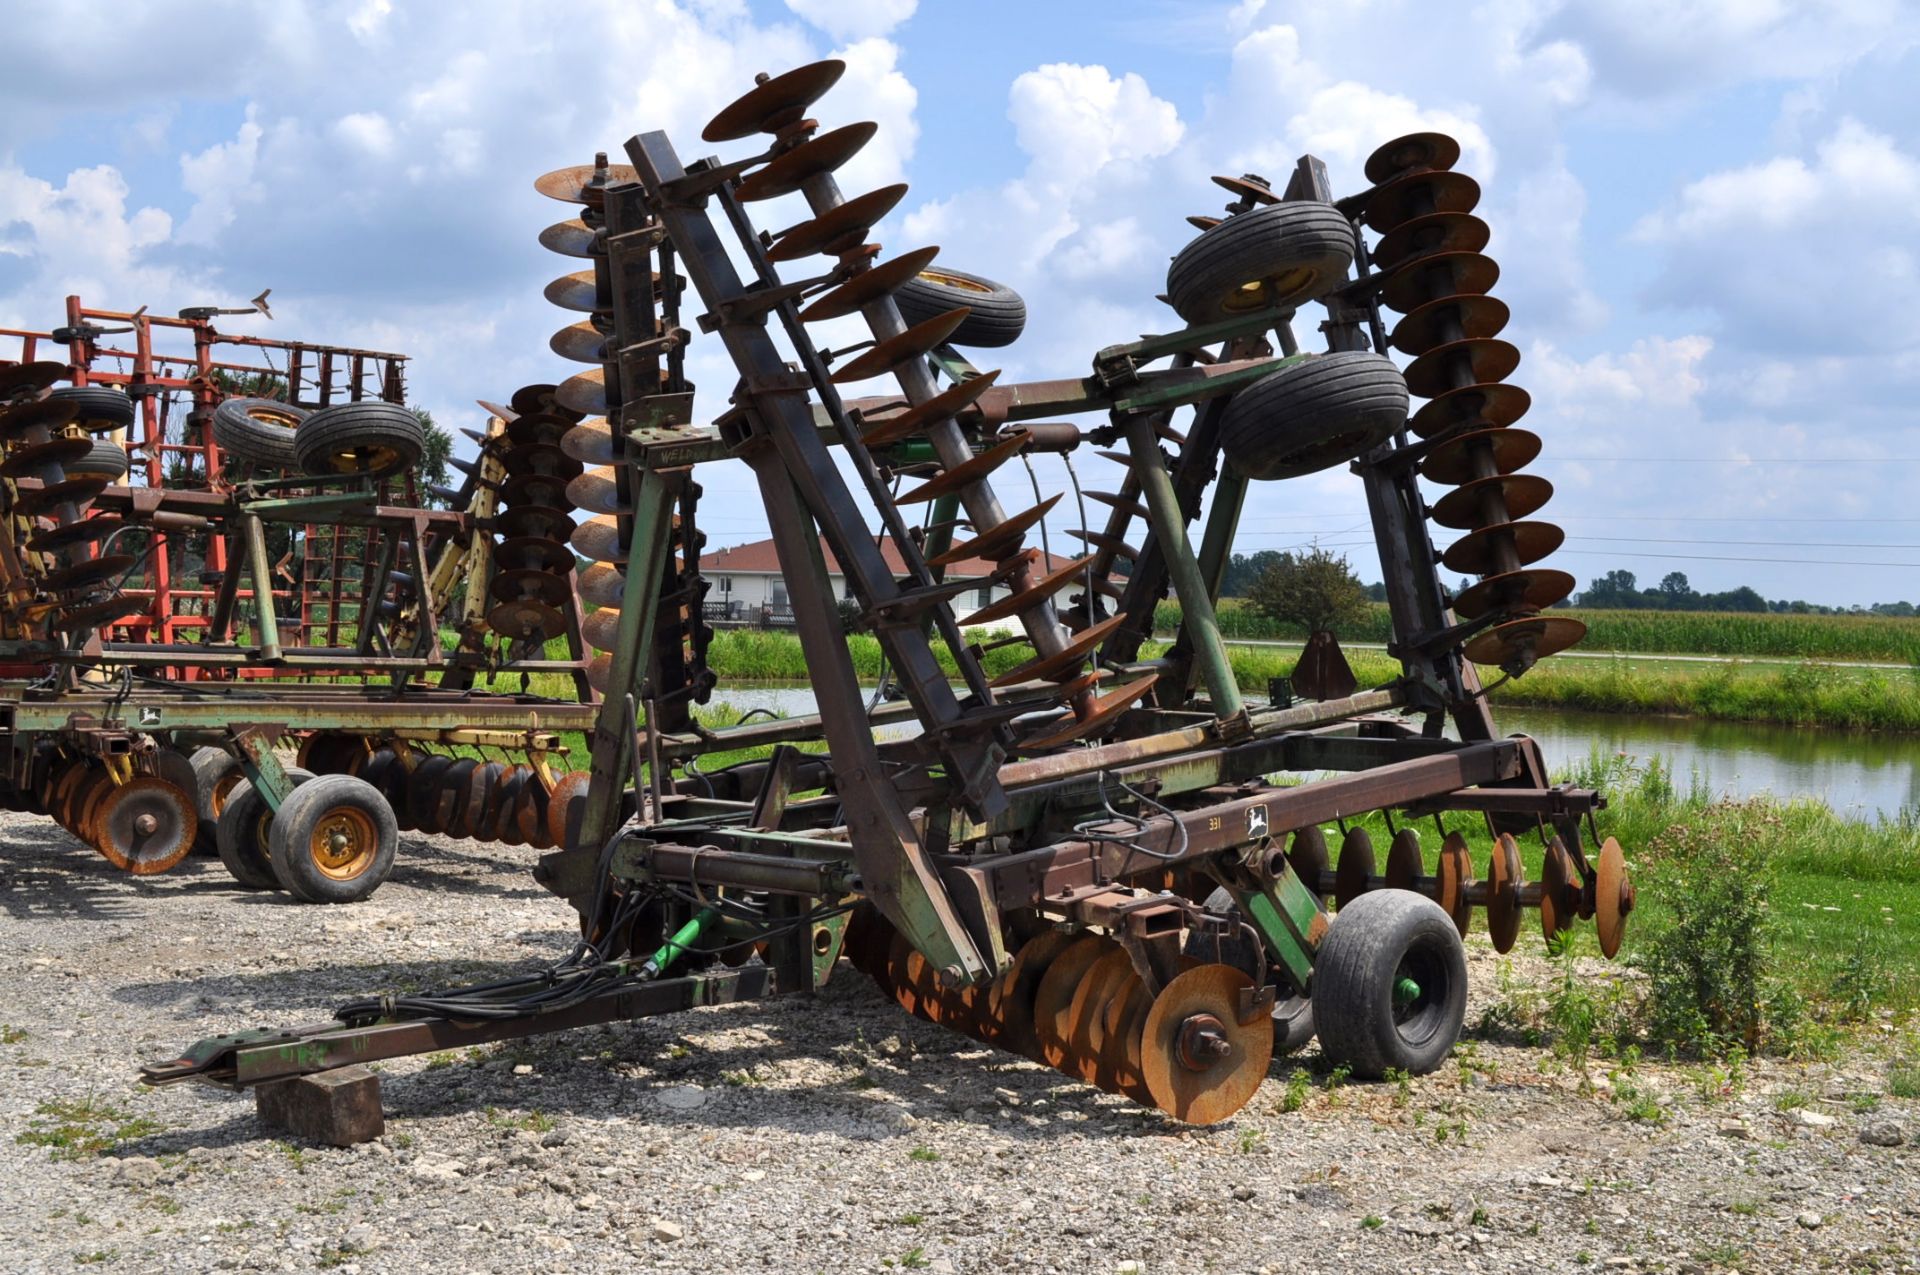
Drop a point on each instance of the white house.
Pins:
(747, 580)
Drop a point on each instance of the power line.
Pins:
(1772, 544)
(1701, 557)
(1703, 518)
(1742, 460)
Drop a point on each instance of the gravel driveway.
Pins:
(833, 1133)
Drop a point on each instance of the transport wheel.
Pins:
(1314, 415)
(999, 314)
(97, 408)
(1283, 255)
(258, 431)
(241, 833)
(370, 437)
(107, 460)
(215, 774)
(333, 840)
(1292, 1012)
(1390, 985)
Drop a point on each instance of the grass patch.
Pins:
(77, 1129)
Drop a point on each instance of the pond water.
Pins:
(1859, 775)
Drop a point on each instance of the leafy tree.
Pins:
(433, 463)
(1315, 590)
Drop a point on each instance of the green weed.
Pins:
(75, 1129)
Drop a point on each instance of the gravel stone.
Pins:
(1882, 1133)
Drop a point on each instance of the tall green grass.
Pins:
(1814, 637)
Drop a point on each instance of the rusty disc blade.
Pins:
(84, 806)
(573, 238)
(1455, 875)
(1413, 153)
(569, 790)
(533, 553)
(868, 286)
(93, 615)
(1418, 194)
(599, 539)
(1532, 589)
(35, 501)
(1559, 890)
(145, 825)
(36, 413)
(1110, 544)
(532, 400)
(970, 470)
(1000, 542)
(1463, 458)
(1505, 876)
(580, 342)
(30, 377)
(1466, 316)
(423, 784)
(585, 394)
(602, 585)
(590, 443)
(449, 797)
(1439, 274)
(774, 104)
(535, 489)
(1483, 360)
(1040, 591)
(1053, 998)
(548, 459)
(838, 229)
(1522, 642)
(1124, 1054)
(790, 170)
(1404, 862)
(546, 521)
(1203, 223)
(1012, 1000)
(1356, 866)
(1308, 858)
(1201, 1064)
(26, 461)
(469, 815)
(583, 183)
(1612, 897)
(540, 429)
(598, 491)
(1107, 709)
(599, 672)
(1106, 982)
(506, 820)
(1474, 553)
(1424, 236)
(942, 406)
(85, 574)
(1472, 408)
(601, 630)
(894, 352)
(1051, 667)
(579, 291)
(1254, 191)
(1521, 494)
(527, 619)
(86, 531)
(529, 584)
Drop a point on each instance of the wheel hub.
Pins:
(1202, 1042)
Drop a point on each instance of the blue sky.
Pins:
(1707, 214)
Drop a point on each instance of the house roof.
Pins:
(760, 558)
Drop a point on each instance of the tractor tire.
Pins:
(372, 437)
(999, 314)
(98, 408)
(1292, 1012)
(1366, 1021)
(1314, 415)
(258, 432)
(107, 460)
(1282, 255)
(334, 840)
(243, 834)
(216, 773)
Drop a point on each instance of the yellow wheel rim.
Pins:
(946, 280)
(273, 416)
(343, 842)
(1252, 296)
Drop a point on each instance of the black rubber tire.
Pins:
(999, 314)
(99, 407)
(1301, 248)
(332, 796)
(1314, 415)
(372, 437)
(1292, 1012)
(211, 769)
(258, 432)
(242, 834)
(107, 460)
(1371, 943)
